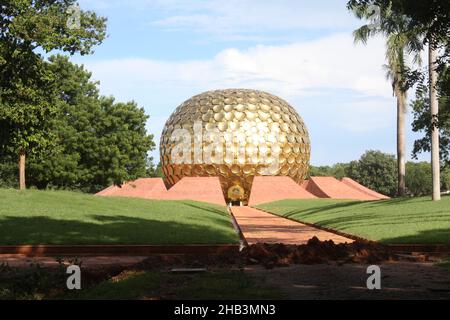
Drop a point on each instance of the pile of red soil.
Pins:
(316, 251)
(278, 255)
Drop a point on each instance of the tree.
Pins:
(8, 170)
(26, 104)
(376, 170)
(445, 179)
(338, 170)
(434, 110)
(418, 181)
(399, 40)
(431, 19)
(154, 171)
(422, 117)
(99, 142)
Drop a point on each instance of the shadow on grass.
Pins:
(359, 204)
(313, 210)
(374, 219)
(110, 230)
(400, 220)
(204, 207)
(218, 285)
(434, 236)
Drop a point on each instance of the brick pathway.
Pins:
(258, 226)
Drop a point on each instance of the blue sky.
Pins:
(161, 52)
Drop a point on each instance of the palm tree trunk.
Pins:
(401, 145)
(434, 108)
(22, 184)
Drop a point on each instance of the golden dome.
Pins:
(234, 134)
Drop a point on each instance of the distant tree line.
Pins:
(378, 171)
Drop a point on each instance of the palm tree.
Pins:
(394, 68)
(434, 109)
(399, 42)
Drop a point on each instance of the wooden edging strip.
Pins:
(394, 248)
(115, 250)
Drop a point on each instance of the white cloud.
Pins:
(242, 16)
(290, 70)
(345, 80)
(237, 19)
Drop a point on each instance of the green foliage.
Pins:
(418, 178)
(375, 170)
(27, 98)
(32, 283)
(378, 171)
(8, 171)
(338, 171)
(95, 141)
(52, 111)
(39, 283)
(154, 172)
(422, 117)
(430, 19)
(445, 178)
(99, 142)
(24, 113)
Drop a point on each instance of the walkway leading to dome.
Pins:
(261, 227)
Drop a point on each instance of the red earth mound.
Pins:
(268, 189)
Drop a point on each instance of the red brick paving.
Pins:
(273, 188)
(261, 227)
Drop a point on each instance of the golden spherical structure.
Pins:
(234, 134)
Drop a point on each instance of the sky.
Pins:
(159, 53)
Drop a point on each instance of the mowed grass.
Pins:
(221, 285)
(63, 217)
(395, 221)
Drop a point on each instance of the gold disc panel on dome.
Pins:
(256, 133)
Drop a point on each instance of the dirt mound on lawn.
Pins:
(314, 252)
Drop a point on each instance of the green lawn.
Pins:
(37, 283)
(62, 217)
(406, 220)
(444, 264)
(221, 285)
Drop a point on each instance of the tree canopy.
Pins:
(28, 27)
(422, 118)
(96, 141)
(430, 19)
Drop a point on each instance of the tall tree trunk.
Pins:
(434, 109)
(401, 145)
(22, 184)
